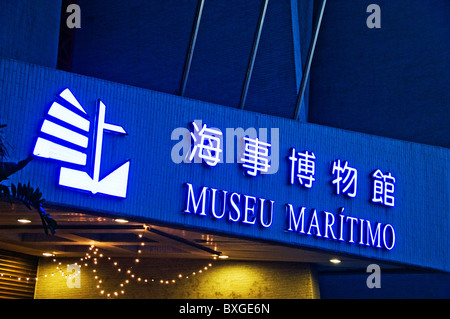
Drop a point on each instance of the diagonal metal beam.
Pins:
(192, 42)
(307, 67)
(251, 62)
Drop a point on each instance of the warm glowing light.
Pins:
(121, 220)
(47, 254)
(96, 251)
(24, 221)
(335, 261)
(223, 257)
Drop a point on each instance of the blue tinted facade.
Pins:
(399, 69)
(159, 169)
(377, 98)
(30, 31)
(150, 52)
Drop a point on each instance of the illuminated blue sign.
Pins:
(256, 156)
(206, 144)
(250, 210)
(383, 188)
(202, 166)
(305, 168)
(68, 142)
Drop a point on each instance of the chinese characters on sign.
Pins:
(255, 159)
(206, 144)
(347, 182)
(250, 210)
(256, 156)
(383, 188)
(305, 169)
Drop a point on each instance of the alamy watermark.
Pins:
(374, 19)
(212, 146)
(74, 276)
(74, 18)
(374, 279)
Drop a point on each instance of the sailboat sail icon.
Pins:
(72, 131)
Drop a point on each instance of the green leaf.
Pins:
(31, 198)
(13, 190)
(19, 191)
(4, 191)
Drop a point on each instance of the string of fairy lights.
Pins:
(19, 278)
(94, 255)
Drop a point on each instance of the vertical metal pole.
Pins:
(308, 63)
(251, 62)
(193, 40)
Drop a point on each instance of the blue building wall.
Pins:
(140, 43)
(157, 191)
(29, 30)
(394, 285)
(278, 66)
(400, 69)
(391, 81)
(145, 43)
(222, 51)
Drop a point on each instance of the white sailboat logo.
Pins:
(63, 138)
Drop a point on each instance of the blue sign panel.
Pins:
(187, 163)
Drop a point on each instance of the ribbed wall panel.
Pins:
(156, 191)
(17, 275)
